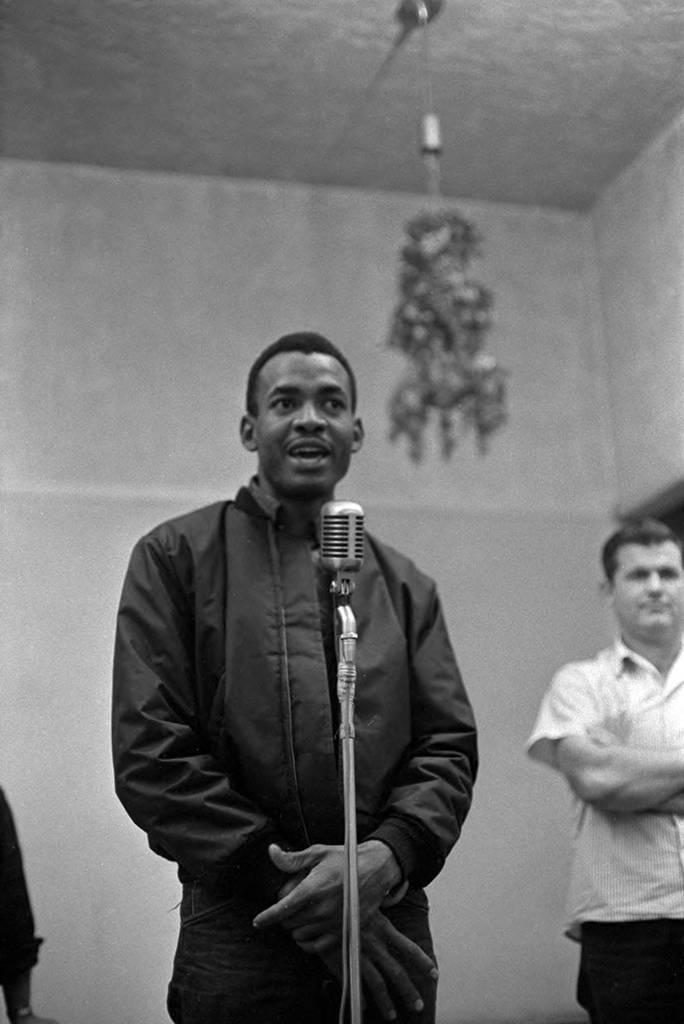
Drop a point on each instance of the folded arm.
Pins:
(617, 777)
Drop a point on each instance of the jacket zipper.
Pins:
(285, 675)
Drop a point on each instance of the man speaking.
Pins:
(226, 720)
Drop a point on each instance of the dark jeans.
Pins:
(632, 972)
(225, 972)
(18, 941)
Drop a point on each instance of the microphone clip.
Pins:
(342, 587)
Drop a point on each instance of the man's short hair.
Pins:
(307, 342)
(635, 531)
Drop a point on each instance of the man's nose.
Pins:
(655, 580)
(309, 416)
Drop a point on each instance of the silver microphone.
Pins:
(342, 537)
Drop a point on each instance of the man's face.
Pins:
(648, 591)
(304, 431)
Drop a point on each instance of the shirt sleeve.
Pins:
(570, 707)
(165, 774)
(432, 791)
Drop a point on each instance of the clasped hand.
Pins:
(310, 907)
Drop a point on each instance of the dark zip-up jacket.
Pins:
(223, 733)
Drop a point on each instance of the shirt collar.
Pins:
(273, 509)
(625, 659)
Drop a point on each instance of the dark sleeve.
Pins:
(165, 775)
(18, 941)
(432, 790)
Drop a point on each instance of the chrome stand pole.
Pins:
(346, 686)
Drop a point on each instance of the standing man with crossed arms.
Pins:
(614, 727)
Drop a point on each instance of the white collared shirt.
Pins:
(625, 866)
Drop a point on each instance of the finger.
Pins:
(278, 913)
(293, 895)
(310, 932)
(282, 912)
(400, 981)
(418, 960)
(377, 989)
(292, 861)
(300, 906)
(409, 952)
(289, 886)
(321, 944)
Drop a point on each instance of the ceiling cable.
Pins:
(410, 14)
(431, 140)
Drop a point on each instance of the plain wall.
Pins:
(639, 231)
(133, 305)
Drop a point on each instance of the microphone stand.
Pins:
(341, 589)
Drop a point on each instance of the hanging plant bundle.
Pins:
(440, 325)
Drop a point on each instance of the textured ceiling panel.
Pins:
(540, 101)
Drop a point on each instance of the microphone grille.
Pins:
(342, 535)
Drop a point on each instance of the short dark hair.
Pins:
(299, 341)
(635, 531)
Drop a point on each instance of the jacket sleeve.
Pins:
(165, 776)
(432, 791)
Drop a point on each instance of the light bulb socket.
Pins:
(432, 135)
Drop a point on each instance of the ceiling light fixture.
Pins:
(443, 315)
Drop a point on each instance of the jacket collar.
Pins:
(254, 500)
(269, 505)
(250, 499)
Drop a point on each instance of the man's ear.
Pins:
(358, 435)
(248, 432)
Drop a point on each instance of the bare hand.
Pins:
(393, 968)
(313, 897)
(312, 907)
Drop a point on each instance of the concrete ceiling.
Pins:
(541, 101)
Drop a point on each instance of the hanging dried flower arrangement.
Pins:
(440, 324)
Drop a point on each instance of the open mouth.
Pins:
(308, 453)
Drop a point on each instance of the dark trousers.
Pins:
(225, 972)
(632, 972)
(18, 942)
